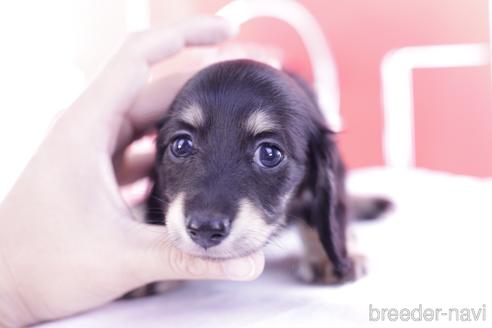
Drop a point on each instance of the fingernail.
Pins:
(241, 268)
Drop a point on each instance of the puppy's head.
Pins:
(232, 152)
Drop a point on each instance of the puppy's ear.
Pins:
(327, 209)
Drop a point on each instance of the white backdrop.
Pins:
(48, 52)
(434, 248)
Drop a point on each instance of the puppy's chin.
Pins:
(249, 232)
(216, 252)
(230, 248)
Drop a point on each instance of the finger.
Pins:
(158, 260)
(200, 31)
(151, 104)
(182, 266)
(129, 68)
(136, 162)
(135, 167)
(113, 93)
(135, 194)
(156, 97)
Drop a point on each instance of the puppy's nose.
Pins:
(208, 232)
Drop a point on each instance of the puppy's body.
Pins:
(243, 151)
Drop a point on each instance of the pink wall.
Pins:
(453, 114)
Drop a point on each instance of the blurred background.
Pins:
(415, 91)
(51, 49)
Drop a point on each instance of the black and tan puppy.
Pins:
(243, 151)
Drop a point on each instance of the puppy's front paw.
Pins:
(152, 289)
(323, 272)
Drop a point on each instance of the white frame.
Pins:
(299, 18)
(397, 89)
(397, 67)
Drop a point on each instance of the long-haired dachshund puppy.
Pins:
(243, 151)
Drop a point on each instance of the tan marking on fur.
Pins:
(314, 251)
(249, 231)
(285, 200)
(315, 256)
(259, 121)
(250, 224)
(175, 219)
(352, 245)
(193, 115)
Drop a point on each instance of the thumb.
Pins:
(163, 261)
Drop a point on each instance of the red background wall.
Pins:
(453, 112)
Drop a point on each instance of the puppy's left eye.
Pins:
(182, 146)
(268, 155)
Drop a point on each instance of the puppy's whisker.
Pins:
(238, 157)
(159, 199)
(275, 241)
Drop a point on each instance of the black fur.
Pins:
(221, 171)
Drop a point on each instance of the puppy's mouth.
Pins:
(217, 252)
(217, 238)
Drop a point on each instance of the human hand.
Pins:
(68, 242)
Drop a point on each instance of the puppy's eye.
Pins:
(268, 155)
(182, 146)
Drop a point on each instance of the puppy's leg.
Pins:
(153, 289)
(143, 291)
(315, 266)
(365, 208)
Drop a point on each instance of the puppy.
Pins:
(243, 151)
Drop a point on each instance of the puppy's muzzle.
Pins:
(208, 231)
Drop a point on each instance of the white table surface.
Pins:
(433, 249)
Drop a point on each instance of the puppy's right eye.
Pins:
(182, 146)
(268, 155)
